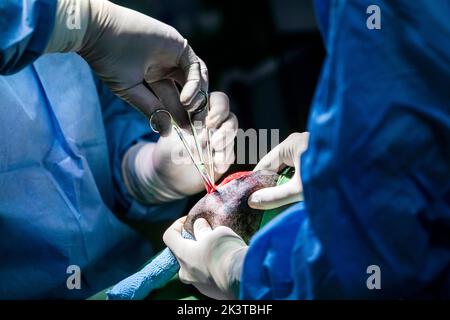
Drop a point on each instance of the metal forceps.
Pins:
(205, 169)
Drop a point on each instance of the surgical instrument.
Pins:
(200, 163)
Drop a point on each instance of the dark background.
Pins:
(265, 54)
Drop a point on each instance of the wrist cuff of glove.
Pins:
(226, 265)
(236, 272)
(71, 24)
(140, 178)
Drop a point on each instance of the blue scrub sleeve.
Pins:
(267, 272)
(25, 29)
(322, 11)
(125, 126)
(376, 174)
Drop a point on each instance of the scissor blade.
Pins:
(199, 166)
(210, 156)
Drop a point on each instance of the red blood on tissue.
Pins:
(234, 176)
(227, 206)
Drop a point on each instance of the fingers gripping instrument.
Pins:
(205, 169)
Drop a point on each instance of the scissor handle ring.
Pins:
(153, 114)
(204, 104)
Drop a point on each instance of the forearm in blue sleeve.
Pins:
(25, 29)
(376, 172)
(267, 272)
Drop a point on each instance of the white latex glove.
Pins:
(126, 48)
(287, 153)
(213, 262)
(162, 172)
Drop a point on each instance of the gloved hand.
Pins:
(287, 153)
(213, 262)
(162, 172)
(126, 48)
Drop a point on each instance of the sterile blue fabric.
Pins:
(62, 136)
(376, 174)
(153, 276)
(25, 29)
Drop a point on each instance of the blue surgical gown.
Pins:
(376, 175)
(62, 138)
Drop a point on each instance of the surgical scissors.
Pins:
(207, 174)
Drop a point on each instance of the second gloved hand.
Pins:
(162, 171)
(212, 262)
(287, 153)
